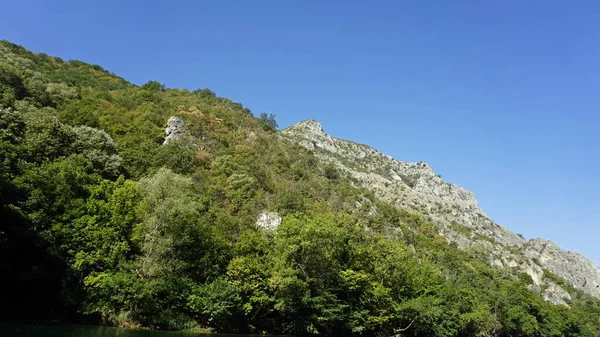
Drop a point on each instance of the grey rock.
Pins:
(555, 294)
(416, 187)
(580, 272)
(268, 220)
(175, 129)
(408, 185)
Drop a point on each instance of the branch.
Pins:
(302, 268)
(397, 331)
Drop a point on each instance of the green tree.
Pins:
(175, 236)
(268, 121)
(153, 86)
(11, 86)
(99, 148)
(216, 305)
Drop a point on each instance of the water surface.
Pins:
(33, 330)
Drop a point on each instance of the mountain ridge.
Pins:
(417, 187)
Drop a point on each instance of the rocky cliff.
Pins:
(416, 187)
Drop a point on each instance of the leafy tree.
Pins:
(11, 86)
(175, 237)
(178, 155)
(82, 112)
(47, 137)
(153, 86)
(268, 121)
(99, 148)
(12, 131)
(216, 305)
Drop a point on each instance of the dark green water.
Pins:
(32, 330)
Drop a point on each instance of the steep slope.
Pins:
(416, 187)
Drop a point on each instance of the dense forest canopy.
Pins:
(102, 222)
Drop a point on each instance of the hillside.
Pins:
(144, 206)
(454, 210)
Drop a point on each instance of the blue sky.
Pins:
(501, 97)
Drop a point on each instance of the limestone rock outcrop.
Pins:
(268, 220)
(175, 129)
(416, 187)
(572, 266)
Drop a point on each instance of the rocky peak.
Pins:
(309, 126)
(416, 187)
(408, 185)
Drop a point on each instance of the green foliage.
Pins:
(12, 131)
(12, 87)
(153, 86)
(464, 230)
(99, 148)
(174, 237)
(331, 172)
(268, 121)
(47, 137)
(101, 221)
(178, 155)
(82, 112)
(215, 304)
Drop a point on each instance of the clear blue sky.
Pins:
(501, 97)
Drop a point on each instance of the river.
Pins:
(33, 330)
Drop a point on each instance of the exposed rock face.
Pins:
(408, 185)
(555, 294)
(175, 129)
(268, 220)
(572, 266)
(416, 187)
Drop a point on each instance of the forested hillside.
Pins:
(103, 223)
